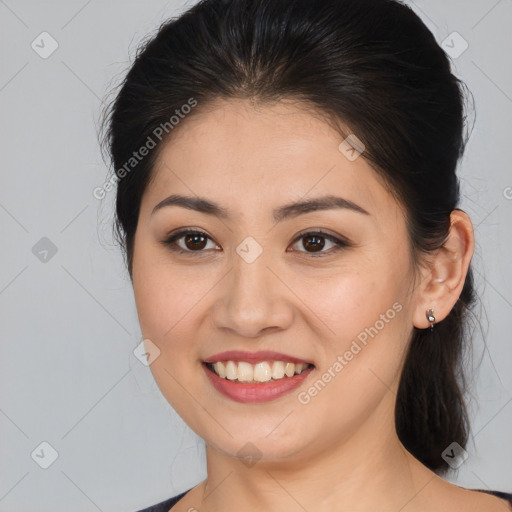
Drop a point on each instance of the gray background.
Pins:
(68, 374)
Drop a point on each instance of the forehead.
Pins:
(245, 154)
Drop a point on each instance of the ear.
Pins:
(443, 280)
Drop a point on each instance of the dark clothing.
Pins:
(164, 506)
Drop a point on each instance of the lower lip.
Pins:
(259, 392)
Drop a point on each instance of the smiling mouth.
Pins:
(264, 371)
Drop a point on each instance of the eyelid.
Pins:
(323, 232)
(171, 239)
(339, 241)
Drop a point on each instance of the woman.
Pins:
(287, 201)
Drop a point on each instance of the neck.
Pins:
(368, 470)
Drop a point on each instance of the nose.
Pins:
(253, 299)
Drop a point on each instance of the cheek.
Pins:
(165, 295)
(361, 361)
(165, 303)
(351, 300)
(364, 320)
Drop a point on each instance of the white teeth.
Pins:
(264, 371)
(220, 369)
(289, 369)
(231, 370)
(278, 370)
(245, 372)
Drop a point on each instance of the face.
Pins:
(326, 288)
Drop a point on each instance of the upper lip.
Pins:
(254, 357)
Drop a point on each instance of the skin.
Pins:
(340, 451)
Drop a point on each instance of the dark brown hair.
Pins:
(373, 65)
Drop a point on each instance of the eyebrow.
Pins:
(287, 211)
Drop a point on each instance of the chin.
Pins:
(254, 443)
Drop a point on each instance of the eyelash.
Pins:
(170, 242)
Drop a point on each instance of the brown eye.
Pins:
(191, 241)
(314, 242)
(195, 241)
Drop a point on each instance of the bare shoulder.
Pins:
(459, 498)
(436, 493)
(484, 502)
